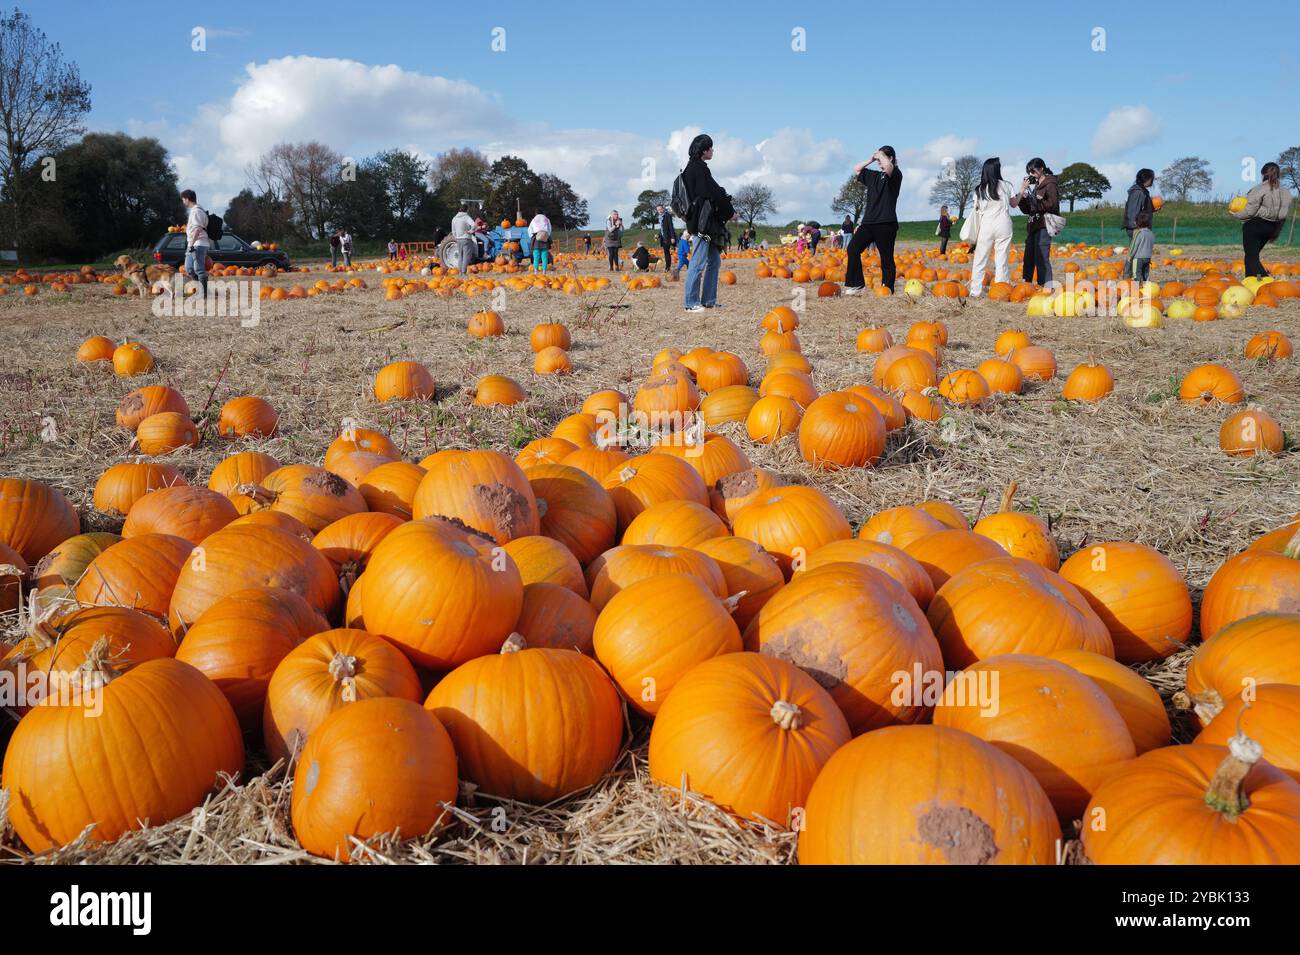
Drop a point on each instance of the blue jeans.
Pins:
(702, 273)
(196, 266)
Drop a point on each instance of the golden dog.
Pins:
(146, 277)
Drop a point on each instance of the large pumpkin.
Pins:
(165, 730)
(315, 496)
(375, 767)
(531, 724)
(151, 399)
(841, 430)
(35, 518)
(402, 380)
(622, 566)
(245, 467)
(247, 417)
(786, 725)
(119, 487)
(65, 565)
(674, 524)
(1264, 648)
(140, 573)
(713, 458)
(1258, 580)
(191, 513)
(899, 526)
(854, 630)
(484, 489)
(390, 488)
(790, 523)
(926, 795)
(574, 509)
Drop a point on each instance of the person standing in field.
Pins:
(1038, 197)
(683, 254)
(197, 242)
(614, 240)
(1267, 206)
(846, 231)
(539, 236)
(945, 229)
(1139, 200)
(667, 235)
(879, 219)
(462, 230)
(990, 215)
(1141, 248)
(345, 245)
(392, 245)
(710, 211)
(586, 239)
(336, 243)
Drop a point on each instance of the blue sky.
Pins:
(607, 94)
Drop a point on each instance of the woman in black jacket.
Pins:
(707, 220)
(879, 219)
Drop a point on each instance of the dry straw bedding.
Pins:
(1139, 466)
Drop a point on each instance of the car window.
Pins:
(228, 243)
(175, 241)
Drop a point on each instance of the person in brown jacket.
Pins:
(1038, 196)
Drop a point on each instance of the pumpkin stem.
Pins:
(626, 474)
(260, 495)
(1206, 705)
(1008, 494)
(1225, 794)
(343, 669)
(95, 671)
(732, 602)
(514, 643)
(786, 715)
(1292, 548)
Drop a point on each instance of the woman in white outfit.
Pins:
(991, 215)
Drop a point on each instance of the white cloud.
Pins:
(1124, 128)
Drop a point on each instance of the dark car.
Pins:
(230, 249)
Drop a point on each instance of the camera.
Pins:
(1032, 179)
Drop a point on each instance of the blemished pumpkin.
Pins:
(945, 552)
(1251, 432)
(325, 672)
(651, 479)
(1008, 605)
(713, 458)
(841, 430)
(1197, 804)
(247, 417)
(245, 467)
(652, 632)
(183, 511)
(140, 573)
(1269, 346)
(1258, 580)
(165, 432)
(666, 395)
(484, 489)
(531, 724)
(486, 325)
(751, 574)
(239, 641)
(1136, 700)
(1138, 594)
(899, 526)
(852, 628)
(64, 566)
(354, 467)
(776, 714)
(728, 495)
(674, 524)
(164, 727)
(622, 566)
(378, 766)
(360, 439)
(1262, 648)
(790, 523)
(546, 560)
(443, 594)
(348, 542)
(883, 557)
(123, 484)
(575, 509)
(35, 517)
(1211, 384)
(390, 488)
(315, 496)
(151, 399)
(556, 617)
(926, 795)
(1035, 698)
(1019, 533)
(1089, 382)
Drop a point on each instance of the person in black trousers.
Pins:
(879, 219)
(945, 230)
(1267, 207)
(667, 236)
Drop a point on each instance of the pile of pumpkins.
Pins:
(393, 628)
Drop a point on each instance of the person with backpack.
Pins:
(1038, 198)
(1138, 200)
(197, 240)
(879, 224)
(710, 211)
(667, 235)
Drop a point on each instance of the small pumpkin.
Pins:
(554, 616)
(123, 484)
(544, 559)
(247, 417)
(1251, 432)
(498, 390)
(165, 432)
(1019, 533)
(149, 400)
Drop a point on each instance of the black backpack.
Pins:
(215, 227)
(680, 203)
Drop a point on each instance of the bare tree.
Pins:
(852, 200)
(42, 101)
(753, 201)
(1184, 177)
(956, 183)
(1289, 163)
(303, 175)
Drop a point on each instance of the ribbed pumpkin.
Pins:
(182, 511)
(944, 553)
(786, 725)
(883, 557)
(550, 335)
(575, 510)
(486, 325)
(1138, 594)
(730, 494)
(1034, 361)
(1136, 700)
(781, 318)
(899, 526)
(544, 451)
(674, 524)
(596, 462)
(122, 485)
(729, 403)
(140, 573)
(1020, 534)
(609, 402)
(1022, 713)
(485, 489)
(379, 766)
(841, 430)
(651, 479)
(442, 594)
(165, 432)
(531, 724)
(164, 728)
(965, 388)
(923, 405)
(348, 543)
(63, 566)
(1254, 581)
(720, 369)
(493, 390)
(35, 518)
(926, 795)
(792, 522)
(554, 616)
(853, 629)
(584, 430)
(324, 673)
(390, 488)
(546, 560)
(1009, 605)
(315, 496)
(620, 567)
(1211, 384)
(247, 417)
(1264, 648)
(1269, 346)
(789, 359)
(1269, 718)
(914, 369)
(1090, 382)
(1247, 433)
(772, 418)
(891, 409)
(239, 641)
(664, 396)
(96, 348)
(131, 359)
(360, 439)
(873, 339)
(246, 467)
(713, 458)
(354, 467)
(774, 341)
(250, 555)
(1009, 340)
(276, 519)
(149, 400)
(788, 383)
(552, 361)
(1002, 376)
(751, 574)
(651, 633)
(1196, 805)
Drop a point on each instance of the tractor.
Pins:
(512, 242)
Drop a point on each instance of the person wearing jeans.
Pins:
(710, 211)
(879, 219)
(1267, 207)
(1038, 197)
(197, 242)
(702, 274)
(462, 230)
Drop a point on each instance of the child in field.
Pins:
(683, 254)
(1141, 248)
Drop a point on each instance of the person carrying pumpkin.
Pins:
(1139, 200)
(539, 235)
(1267, 206)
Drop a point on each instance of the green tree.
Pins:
(851, 201)
(513, 189)
(258, 218)
(564, 207)
(1289, 162)
(1080, 181)
(1185, 177)
(403, 177)
(457, 175)
(644, 214)
(361, 203)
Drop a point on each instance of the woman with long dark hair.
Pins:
(879, 219)
(1267, 206)
(1038, 198)
(706, 221)
(991, 218)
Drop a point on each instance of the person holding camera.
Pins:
(614, 240)
(1139, 201)
(710, 211)
(1039, 197)
(879, 219)
(1267, 206)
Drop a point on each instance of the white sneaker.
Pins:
(696, 308)
(848, 290)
